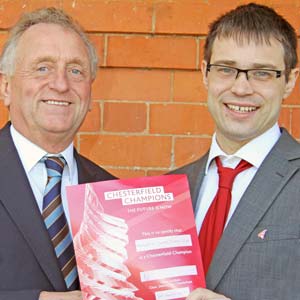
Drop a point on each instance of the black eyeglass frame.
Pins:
(278, 72)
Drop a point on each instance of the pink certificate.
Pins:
(135, 238)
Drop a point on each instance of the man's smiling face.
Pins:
(49, 92)
(244, 109)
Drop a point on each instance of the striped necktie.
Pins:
(56, 223)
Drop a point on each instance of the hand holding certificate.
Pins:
(135, 239)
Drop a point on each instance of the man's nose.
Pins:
(59, 81)
(241, 85)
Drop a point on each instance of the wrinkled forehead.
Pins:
(51, 40)
(50, 32)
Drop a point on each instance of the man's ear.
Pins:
(204, 72)
(291, 82)
(5, 89)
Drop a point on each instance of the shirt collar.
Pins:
(30, 154)
(253, 152)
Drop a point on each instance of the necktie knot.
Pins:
(227, 175)
(54, 165)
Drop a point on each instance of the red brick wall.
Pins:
(149, 105)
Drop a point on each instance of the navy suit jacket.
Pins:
(28, 264)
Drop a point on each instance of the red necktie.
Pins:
(215, 219)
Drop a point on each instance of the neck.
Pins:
(51, 142)
(230, 146)
(53, 145)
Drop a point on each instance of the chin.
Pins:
(58, 129)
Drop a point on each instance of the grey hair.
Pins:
(48, 15)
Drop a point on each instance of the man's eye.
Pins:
(262, 74)
(226, 71)
(76, 72)
(43, 69)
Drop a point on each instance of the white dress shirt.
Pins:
(253, 152)
(31, 154)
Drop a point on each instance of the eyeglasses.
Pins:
(232, 73)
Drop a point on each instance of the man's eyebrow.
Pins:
(264, 66)
(78, 61)
(224, 62)
(43, 59)
(233, 63)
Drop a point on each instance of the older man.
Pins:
(47, 68)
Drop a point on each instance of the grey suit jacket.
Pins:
(246, 266)
(27, 260)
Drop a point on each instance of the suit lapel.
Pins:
(17, 198)
(268, 182)
(195, 172)
(197, 178)
(84, 174)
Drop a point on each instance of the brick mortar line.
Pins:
(172, 75)
(150, 68)
(157, 102)
(146, 34)
(290, 106)
(101, 104)
(153, 20)
(172, 154)
(147, 117)
(105, 50)
(197, 54)
(131, 134)
(174, 102)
